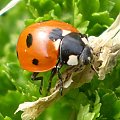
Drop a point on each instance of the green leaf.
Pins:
(115, 11)
(7, 118)
(9, 103)
(84, 113)
(117, 110)
(99, 22)
(97, 106)
(108, 101)
(102, 18)
(107, 5)
(87, 7)
(96, 29)
(1, 117)
(29, 22)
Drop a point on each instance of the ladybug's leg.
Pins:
(35, 78)
(53, 72)
(60, 80)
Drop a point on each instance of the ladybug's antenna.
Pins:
(93, 68)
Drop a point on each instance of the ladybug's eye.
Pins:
(29, 40)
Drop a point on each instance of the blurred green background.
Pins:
(97, 100)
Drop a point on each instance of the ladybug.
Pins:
(49, 45)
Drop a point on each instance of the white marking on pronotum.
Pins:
(10, 5)
(85, 41)
(73, 60)
(57, 43)
(65, 32)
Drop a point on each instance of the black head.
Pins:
(86, 56)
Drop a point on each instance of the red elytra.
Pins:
(36, 52)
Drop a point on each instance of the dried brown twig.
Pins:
(106, 49)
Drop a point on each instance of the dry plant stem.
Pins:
(10, 5)
(106, 48)
(108, 45)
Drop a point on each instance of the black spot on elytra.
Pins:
(35, 61)
(29, 40)
(55, 34)
(17, 53)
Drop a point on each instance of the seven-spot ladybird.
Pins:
(48, 45)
